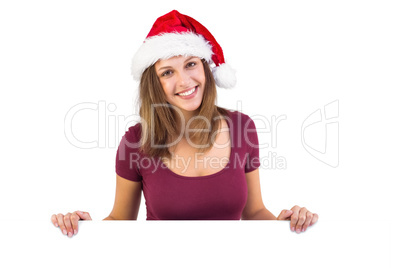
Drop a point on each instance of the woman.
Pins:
(193, 159)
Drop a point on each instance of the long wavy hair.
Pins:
(158, 124)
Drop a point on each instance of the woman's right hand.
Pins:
(69, 223)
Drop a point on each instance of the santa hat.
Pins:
(176, 34)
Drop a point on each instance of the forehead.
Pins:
(176, 60)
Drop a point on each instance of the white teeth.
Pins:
(187, 93)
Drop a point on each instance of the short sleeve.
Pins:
(253, 150)
(128, 156)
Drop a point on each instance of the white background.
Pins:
(291, 57)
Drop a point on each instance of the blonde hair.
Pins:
(162, 127)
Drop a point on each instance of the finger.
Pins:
(67, 222)
(295, 208)
(315, 219)
(74, 222)
(294, 218)
(84, 215)
(284, 215)
(60, 219)
(309, 218)
(301, 219)
(54, 220)
(280, 216)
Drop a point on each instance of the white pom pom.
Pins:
(225, 76)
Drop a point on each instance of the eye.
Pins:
(168, 72)
(191, 64)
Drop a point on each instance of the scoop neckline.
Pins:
(213, 174)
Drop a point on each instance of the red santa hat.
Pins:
(175, 34)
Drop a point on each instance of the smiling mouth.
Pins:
(188, 92)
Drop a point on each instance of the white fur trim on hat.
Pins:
(168, 45)
(224, 75)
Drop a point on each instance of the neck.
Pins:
(186, 116)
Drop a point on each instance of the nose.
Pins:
(183, 79)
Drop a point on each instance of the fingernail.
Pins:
(64, 232)
(56, 224)
(298, 231)
(75, 232)
(293, 229)
(70, 234)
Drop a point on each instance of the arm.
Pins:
(255, 209)
(300, 218)
(127, 201)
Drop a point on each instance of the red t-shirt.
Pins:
(170, 196)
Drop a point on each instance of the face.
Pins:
(183, 80)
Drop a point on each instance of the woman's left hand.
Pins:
(300, 218)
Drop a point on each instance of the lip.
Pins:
(188, 96)
(185, 90)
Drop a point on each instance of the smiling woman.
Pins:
(178, 66)
(183, 81)
(160, 84)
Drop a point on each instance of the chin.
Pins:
(191, 109)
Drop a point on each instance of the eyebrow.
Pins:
(167, 67)
(190, 58)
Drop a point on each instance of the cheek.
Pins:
(167, 88)
(200, 75)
